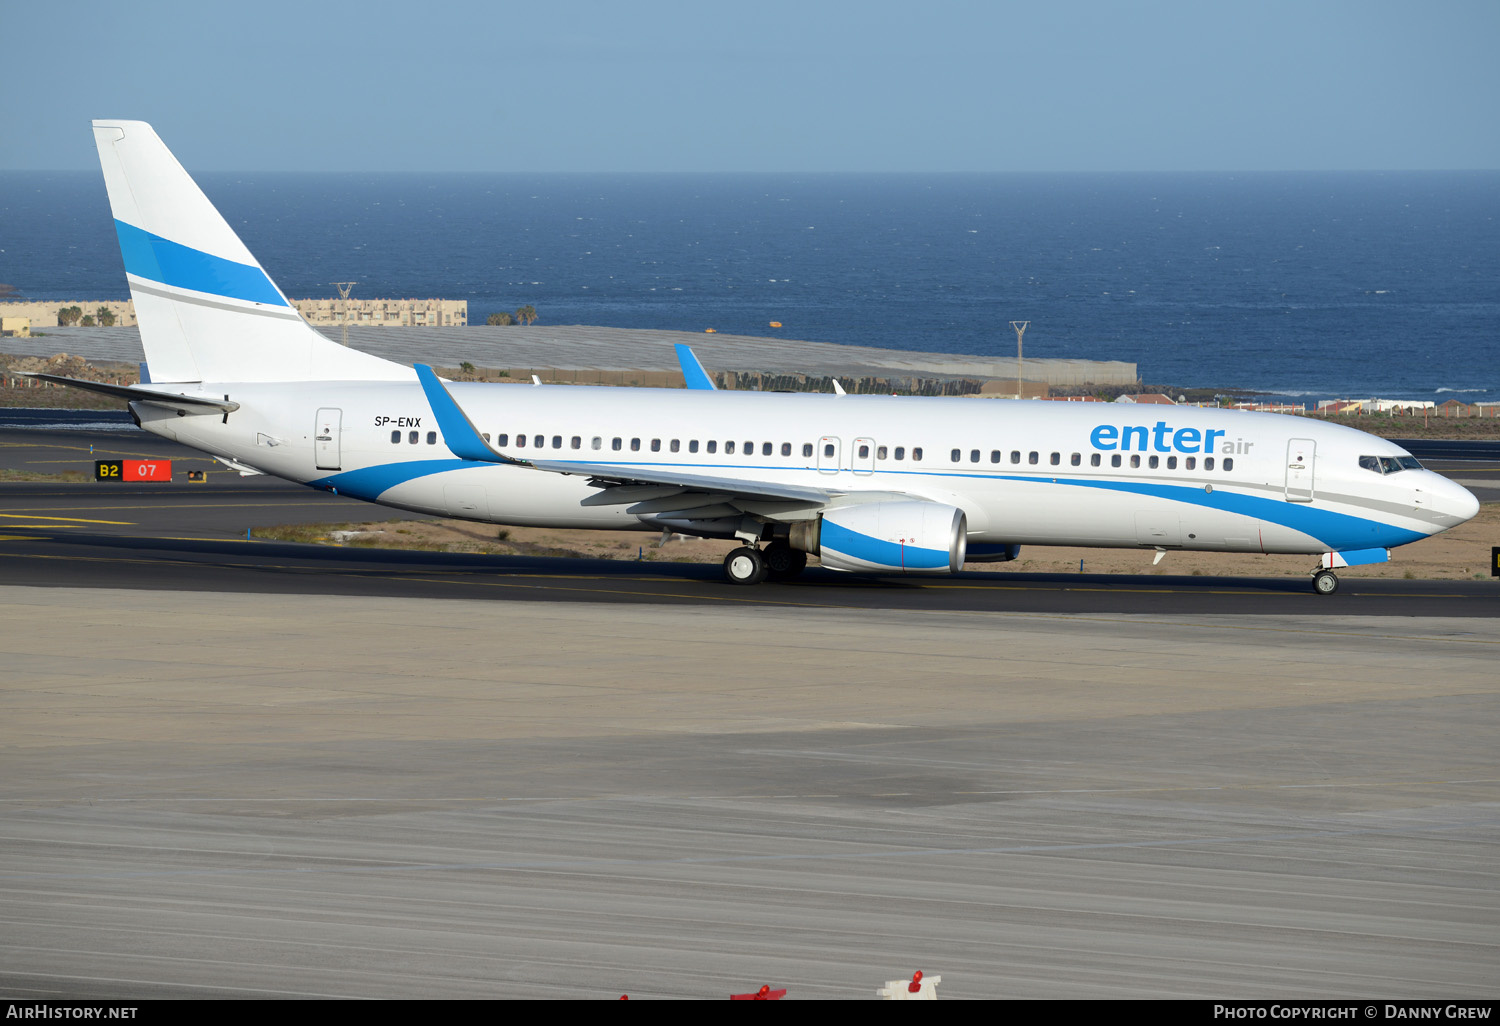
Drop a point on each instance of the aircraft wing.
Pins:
(692, 370)
(689, 495)
(647, 490)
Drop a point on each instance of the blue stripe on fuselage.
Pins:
(371, 482)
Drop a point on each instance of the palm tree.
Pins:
(105, 317)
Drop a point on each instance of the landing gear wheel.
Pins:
(1325, 582)
(745, 566)
(783, 562)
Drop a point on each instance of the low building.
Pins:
(15, 327)
(389, 313)
(44, 314)
(404, 313)
(1148, 399)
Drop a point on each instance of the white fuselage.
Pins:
(1025, 473)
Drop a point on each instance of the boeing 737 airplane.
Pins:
(871, 484)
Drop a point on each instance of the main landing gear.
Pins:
(777, 562)
(1325, 581)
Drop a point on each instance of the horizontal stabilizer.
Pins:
(190, 403)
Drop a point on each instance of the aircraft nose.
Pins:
(1454, 500)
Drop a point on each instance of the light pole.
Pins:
(1020, 327)
(344, 287)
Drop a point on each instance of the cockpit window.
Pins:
(1389, 464)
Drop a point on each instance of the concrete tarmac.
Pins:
(212, 794)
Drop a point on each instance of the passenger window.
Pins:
(656, 445)
(994, 455)
(828, 451)
(539, 441)
(880, 452)
(577, 441)
(1094, 460)
(973, 455)
(713, 446)
(693, 445)
(864, 452)
(1032, 458)
(786, 448)
(1208, 463)
(1056, 458)
(395, 437)
(729, 447)
(411, 438)
(1171, 462)
(486, 436)
(954, 456)
(1190, 462)
(520, 440)
(1076, 459)
(616, 443)
(1228, 462)
(596, 442)
(1015, 455)
(432, 438)
(635, 445)
(557, 441)
(900, 452)
(502, 440)
(1114, 461)
(916, 452)
(676, 445)
(806, 449)
(1154, 461)
(749, 449)
(1135, 460)
(766, 449)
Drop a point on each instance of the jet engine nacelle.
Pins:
(912, 537)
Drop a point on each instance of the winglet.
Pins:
(692, 371)
(459, 433)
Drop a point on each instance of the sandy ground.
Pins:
(1463, 552)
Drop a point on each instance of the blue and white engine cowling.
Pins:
(903, 537)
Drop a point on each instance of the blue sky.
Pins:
(766, 85)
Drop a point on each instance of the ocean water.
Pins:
(1299, 284)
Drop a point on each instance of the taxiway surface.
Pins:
(245, 769)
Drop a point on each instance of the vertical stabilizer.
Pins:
(206, 308)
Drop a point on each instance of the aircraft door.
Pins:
(828, 454)
(326, 438)
(1301, 454)
(863, 456)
